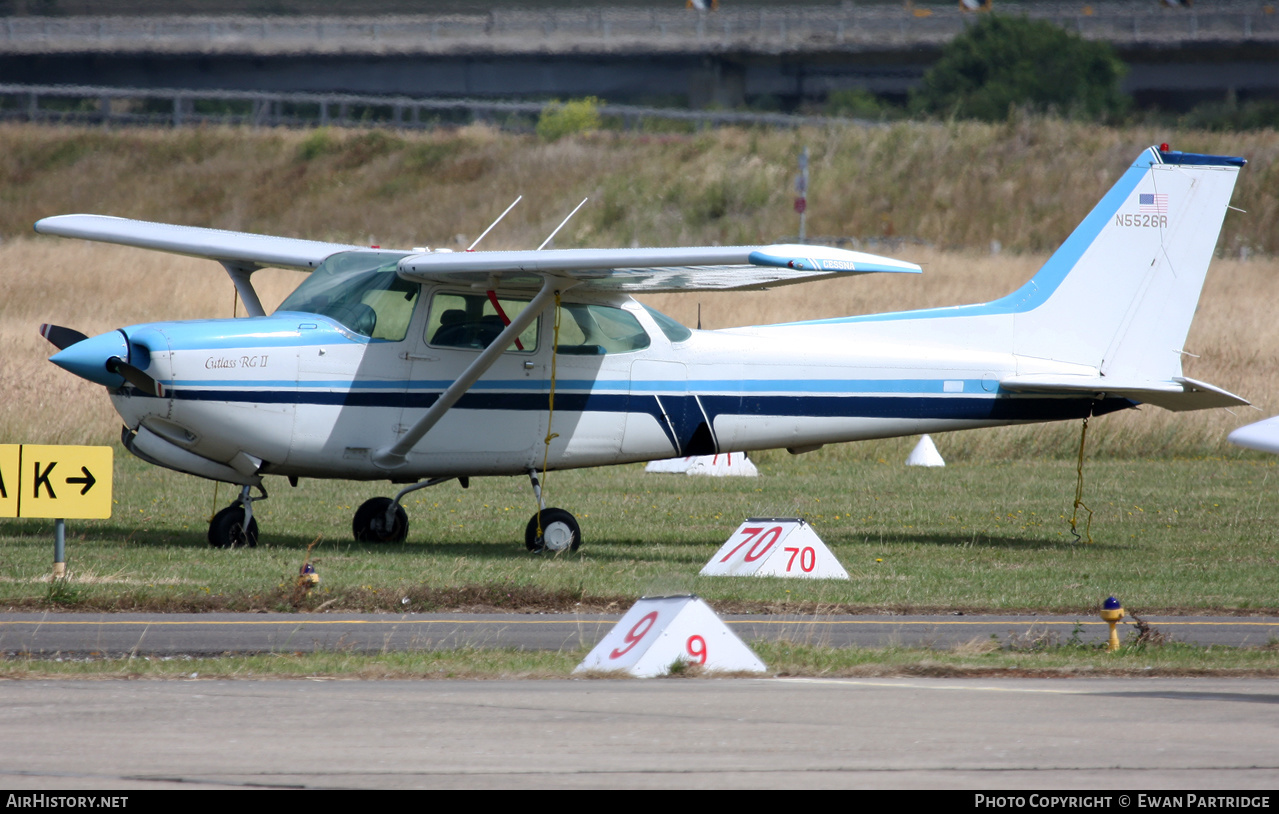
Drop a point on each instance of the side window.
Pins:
(594, 330)
(471, 321)
(394, 309)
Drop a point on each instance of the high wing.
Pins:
(1177, 395)
(711, 268)
(240, 249)
(623, 270)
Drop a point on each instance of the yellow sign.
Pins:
(10, 455)
(42, 480)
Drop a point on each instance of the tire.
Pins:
(369, 525)
(559, 532)
(226, 529)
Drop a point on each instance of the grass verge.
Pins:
(978, 659)
(1169, 537)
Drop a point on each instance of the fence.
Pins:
(175, 107)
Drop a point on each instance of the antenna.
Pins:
(471, 247)
(561, 226)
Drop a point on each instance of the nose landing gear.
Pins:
(235, 526)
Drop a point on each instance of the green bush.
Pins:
(317, 143)
(1001, 63)
(560, 119)
(859, 103)
(1231, 116)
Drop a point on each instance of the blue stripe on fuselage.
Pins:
(637, 387)
(908, 406)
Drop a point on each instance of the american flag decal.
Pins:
(1152, 202)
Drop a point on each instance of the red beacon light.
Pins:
(1163, 148)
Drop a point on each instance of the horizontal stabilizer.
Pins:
(697, 268)
(1179, 394)
(239, 248)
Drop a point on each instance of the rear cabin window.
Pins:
(594, 330)
(471, 321)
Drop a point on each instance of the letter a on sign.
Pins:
(774, 547)
(659, 630)
(10, 459)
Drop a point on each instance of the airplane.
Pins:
(420, 367)
(1262, 436)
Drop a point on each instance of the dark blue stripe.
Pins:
(685, 414)
(1199, 160)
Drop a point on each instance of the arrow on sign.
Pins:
(88, 480)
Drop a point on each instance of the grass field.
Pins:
(1170, 536)
(973, 659)
(1183, 523)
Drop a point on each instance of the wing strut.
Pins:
(239, 273)
(393, 456)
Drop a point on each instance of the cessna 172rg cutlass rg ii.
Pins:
(422, 367)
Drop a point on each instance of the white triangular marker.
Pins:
(925, 454)
(774, 547)
(659, 630)
(721, 465)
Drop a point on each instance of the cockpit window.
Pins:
(362, 291)
(594, 330)
(673, 330)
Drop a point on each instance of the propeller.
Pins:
(83, 356)
(134, 376)
(61, 338)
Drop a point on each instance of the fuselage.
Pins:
(302, 394)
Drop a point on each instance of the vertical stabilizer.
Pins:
(1120, 292)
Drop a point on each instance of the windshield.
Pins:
(360, 290)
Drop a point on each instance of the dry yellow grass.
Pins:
(1025, 183)
(96, 288)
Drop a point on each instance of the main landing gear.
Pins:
(234, 526)
(383, 520)
(559, 529)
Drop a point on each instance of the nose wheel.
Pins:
(235, 526)
(227, 529)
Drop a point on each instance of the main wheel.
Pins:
(559, 532)
(226, 529)
(370, 526)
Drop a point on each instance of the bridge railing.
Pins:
(775, 28)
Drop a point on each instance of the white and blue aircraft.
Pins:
(420, 367)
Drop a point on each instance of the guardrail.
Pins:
(515, 30)
(81, 104)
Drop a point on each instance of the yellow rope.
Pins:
(1079, 492)
(550, 412)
